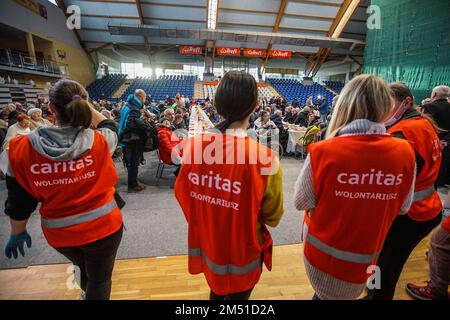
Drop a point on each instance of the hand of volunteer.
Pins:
(17, 242)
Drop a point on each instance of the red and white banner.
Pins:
(255, 53)
(228, 51)
(190, 50)
(280, 54)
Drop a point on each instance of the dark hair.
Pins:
(400, 91)
(180, 110)
(3, 114)
(236, 97)
(70, 101)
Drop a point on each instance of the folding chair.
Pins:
(311, 135)
(161, 167)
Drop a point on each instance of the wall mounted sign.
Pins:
(228, 51)
(280, 54)
(190, 50)
(255, 53)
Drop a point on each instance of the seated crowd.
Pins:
(273, 118)
(370, 119)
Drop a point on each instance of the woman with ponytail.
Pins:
(230, 188)
(69, 170)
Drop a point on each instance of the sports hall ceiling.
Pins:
(301, 26)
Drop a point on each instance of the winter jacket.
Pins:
(166, 144)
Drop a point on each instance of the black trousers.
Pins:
(245, 295)
(132, 160)
(403, 236)
(96, 262)
(444, 172)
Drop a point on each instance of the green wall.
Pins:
(412, 46)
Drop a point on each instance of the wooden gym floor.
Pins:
(167, 278)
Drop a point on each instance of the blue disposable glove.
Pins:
(16, 242)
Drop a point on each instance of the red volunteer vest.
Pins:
(425, 141)
(221, 203)
(360, 187)
(446, 224)
(77, 196)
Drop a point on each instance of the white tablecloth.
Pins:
(294, 138)
(199, 121)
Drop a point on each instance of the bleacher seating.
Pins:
(24, 93)
(4, 59)
(164, 85)
(292, 89)
(264, 92)
(335, 85)
(210, 91)
(105, 87)
(13, 58)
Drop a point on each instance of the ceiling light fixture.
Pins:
(212, 13)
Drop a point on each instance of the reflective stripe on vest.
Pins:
(225, 268)
(340, 254)
(79, 218)
(422, 195)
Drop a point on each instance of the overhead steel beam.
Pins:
(320, 3)
(276, 26)
(178, 5)
(248, 10)
(287, 39)
(323, 53)
(147, 45)
(100, 47)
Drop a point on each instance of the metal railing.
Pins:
(19, 60)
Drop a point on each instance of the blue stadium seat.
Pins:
(104, 88)
(165, 85)
(335, 85)
(292, 89)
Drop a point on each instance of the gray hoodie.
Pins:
(64, 143)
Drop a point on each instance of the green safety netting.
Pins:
(412, 45)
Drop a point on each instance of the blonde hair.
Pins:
(364, 97)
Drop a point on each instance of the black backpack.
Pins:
(139, 132)
(149, 135)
